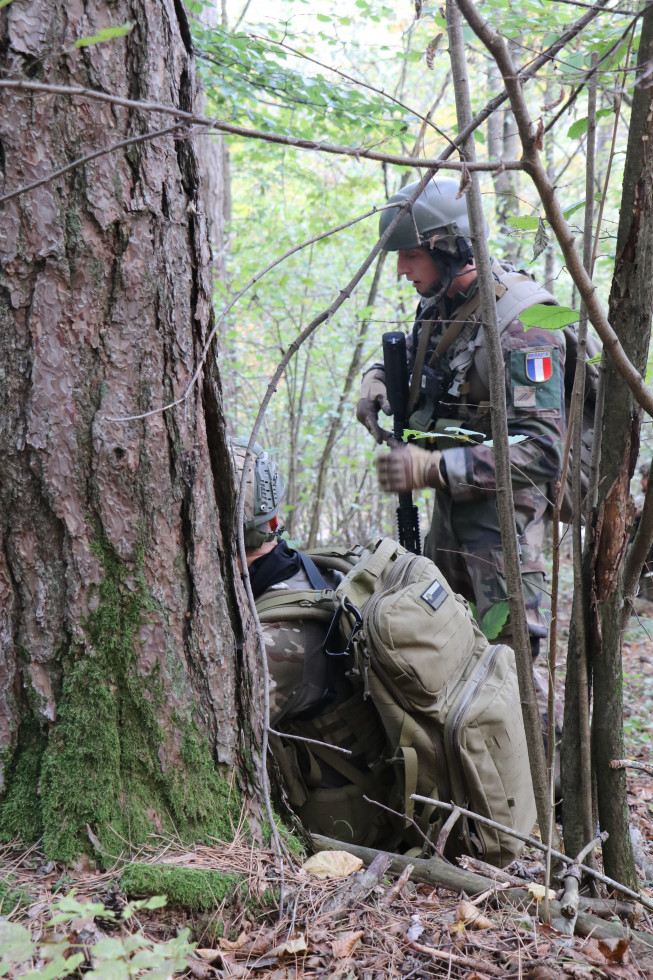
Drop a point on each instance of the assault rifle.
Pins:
(396, 381)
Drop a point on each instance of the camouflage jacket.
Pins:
(534, 379)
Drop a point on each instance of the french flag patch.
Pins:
(539, 366)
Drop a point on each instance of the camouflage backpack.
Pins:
(447, 700)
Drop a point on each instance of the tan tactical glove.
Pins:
(373, 397)
(407, 467)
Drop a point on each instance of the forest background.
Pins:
(281, 198)
(118, 563)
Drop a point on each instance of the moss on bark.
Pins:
(100, 766)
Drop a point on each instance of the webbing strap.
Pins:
(311, 571)
(365, 781)
(410, 778)
(411, 768)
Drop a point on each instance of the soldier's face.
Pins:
(419, 268)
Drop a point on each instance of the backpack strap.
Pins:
(519, 293)
(311, 571)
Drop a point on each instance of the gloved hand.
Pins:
(373, 397)
(407, 467)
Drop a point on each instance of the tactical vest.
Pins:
(463, 345)
(515, 292)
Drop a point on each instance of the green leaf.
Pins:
(4, 3)
(109, 970)
(548, 317)
(109, 949)
(15, 942)
(580, 126)
(494, 620)
(572, 210)
(595, 360)
(57, 968)
(524, 223)
(577, 128)
(106, 34)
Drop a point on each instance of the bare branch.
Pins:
(534, 842)
(259, 134)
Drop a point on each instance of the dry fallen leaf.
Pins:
(291, 947)
(237, 944)
(538, 892)
(469, 915)
(345, 944)
(614, 949)
(332, 864)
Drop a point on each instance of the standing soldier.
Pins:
(450, 398)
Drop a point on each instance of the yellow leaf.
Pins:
(538, 892)
(469, 915)
(332, 864)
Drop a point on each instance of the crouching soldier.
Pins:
(312, 695)
(369, 650)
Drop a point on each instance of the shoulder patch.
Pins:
(539, 365)
(435, 594)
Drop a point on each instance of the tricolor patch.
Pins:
(435, 594)
(539, 366)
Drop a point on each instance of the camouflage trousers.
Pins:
(465, 543)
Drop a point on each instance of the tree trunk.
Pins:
(631, 301)
(123, 681)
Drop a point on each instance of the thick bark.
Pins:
(120, 681)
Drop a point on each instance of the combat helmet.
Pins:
(439, 220)
(264, 491)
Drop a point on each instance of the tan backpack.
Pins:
(447, 699)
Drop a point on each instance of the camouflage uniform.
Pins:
(314, 696)
(465, 539)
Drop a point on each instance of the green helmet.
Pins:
(264, 491)
(439, 215)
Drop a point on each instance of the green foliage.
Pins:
(524, 223)
(106, 34)
(12, 897)
(195, 889)
(548, 317)
(53, 953)
(495, 619)
(250, 80)
(579, 128)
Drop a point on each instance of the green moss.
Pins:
(190, 888)
(12, 898)
(20, 809)
(101, 764)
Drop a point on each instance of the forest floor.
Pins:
(384, 927)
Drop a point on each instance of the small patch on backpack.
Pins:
(524, 396)
(435, 595)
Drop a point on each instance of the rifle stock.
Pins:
(396, 380)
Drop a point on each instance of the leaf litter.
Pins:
(400, 929)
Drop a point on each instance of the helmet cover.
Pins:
(264, 490)
(439, 219)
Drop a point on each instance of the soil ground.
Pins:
(403, 930)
